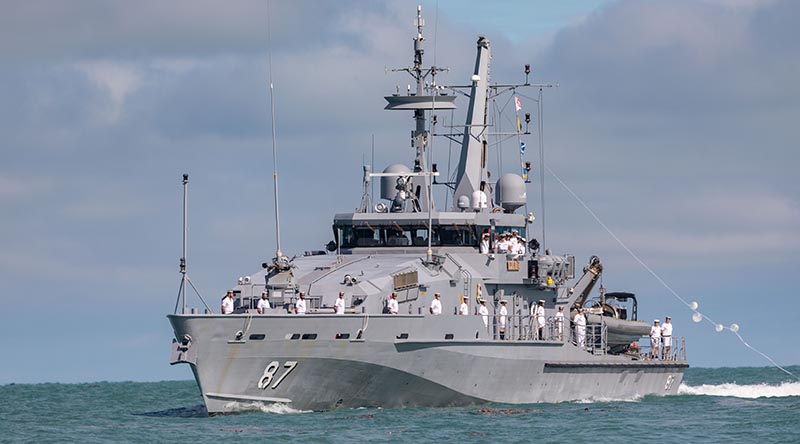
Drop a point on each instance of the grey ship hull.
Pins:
(381, 370)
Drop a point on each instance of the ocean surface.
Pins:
(714, 405)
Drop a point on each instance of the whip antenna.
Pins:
(278, 253)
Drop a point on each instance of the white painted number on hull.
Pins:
(668, 385)
(270, 371)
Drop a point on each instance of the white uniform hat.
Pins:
(656, 321)
(503, 301)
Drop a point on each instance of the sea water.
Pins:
(713, 405)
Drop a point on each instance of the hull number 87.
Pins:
(269, 374)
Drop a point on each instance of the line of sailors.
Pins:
(435, 309)
(537, 312)
(504, 243)
(299, 308)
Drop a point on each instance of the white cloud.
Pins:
(117, 80)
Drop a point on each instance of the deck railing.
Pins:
(677, 350)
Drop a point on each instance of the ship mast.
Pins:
(472, 164)
(424, 98)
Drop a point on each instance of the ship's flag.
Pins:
(517, 104)
(524, 173)
(522, 147)
(519, 125)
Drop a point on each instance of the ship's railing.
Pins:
(593, 339)
(677, 350)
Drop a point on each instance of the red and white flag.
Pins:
(516, 103)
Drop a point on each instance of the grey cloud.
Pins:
(31, 30)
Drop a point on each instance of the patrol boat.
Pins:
(411, 247)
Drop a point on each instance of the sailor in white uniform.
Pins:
(559, 321)
(503, 318)
(338, 306)
(655, 339)
(436, 305)
(227, 303)
(300, 305)
(463, 310)
(580, 328)
(503, 245)
(514, 242)
(539, 319)
(483, 311)
(263, 304)
(484, 247)
(391, 306)
(520, 246)
(666, 337)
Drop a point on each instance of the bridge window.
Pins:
(406, 235)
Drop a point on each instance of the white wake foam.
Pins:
(754, 391)
(266, 407)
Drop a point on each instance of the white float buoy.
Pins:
(693, 305)
(697, 317)
(719, 328)
(734, 327)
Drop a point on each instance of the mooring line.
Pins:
(698, 316)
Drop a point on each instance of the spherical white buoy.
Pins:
(693, 305)
(697, 317)
(734, 327)
(719, 328)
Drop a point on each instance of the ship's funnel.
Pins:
(511, 192)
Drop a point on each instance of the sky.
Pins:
(675, 122)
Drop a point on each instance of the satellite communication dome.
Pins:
(389, 183)
(479, 200)
(511, 192)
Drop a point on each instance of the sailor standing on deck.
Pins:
(666, 337)
(436, 305)
(580, 328)
(484, 312)
(338, 306)
(391, 306)
(559, 321)
(514, 242)
(263, 304)
(520, 247)
(503, 318)
(539, 319)
(484, 248)
(300, 305)
(227, 303)
(655, 339)
(502, 244)
(463, 310)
